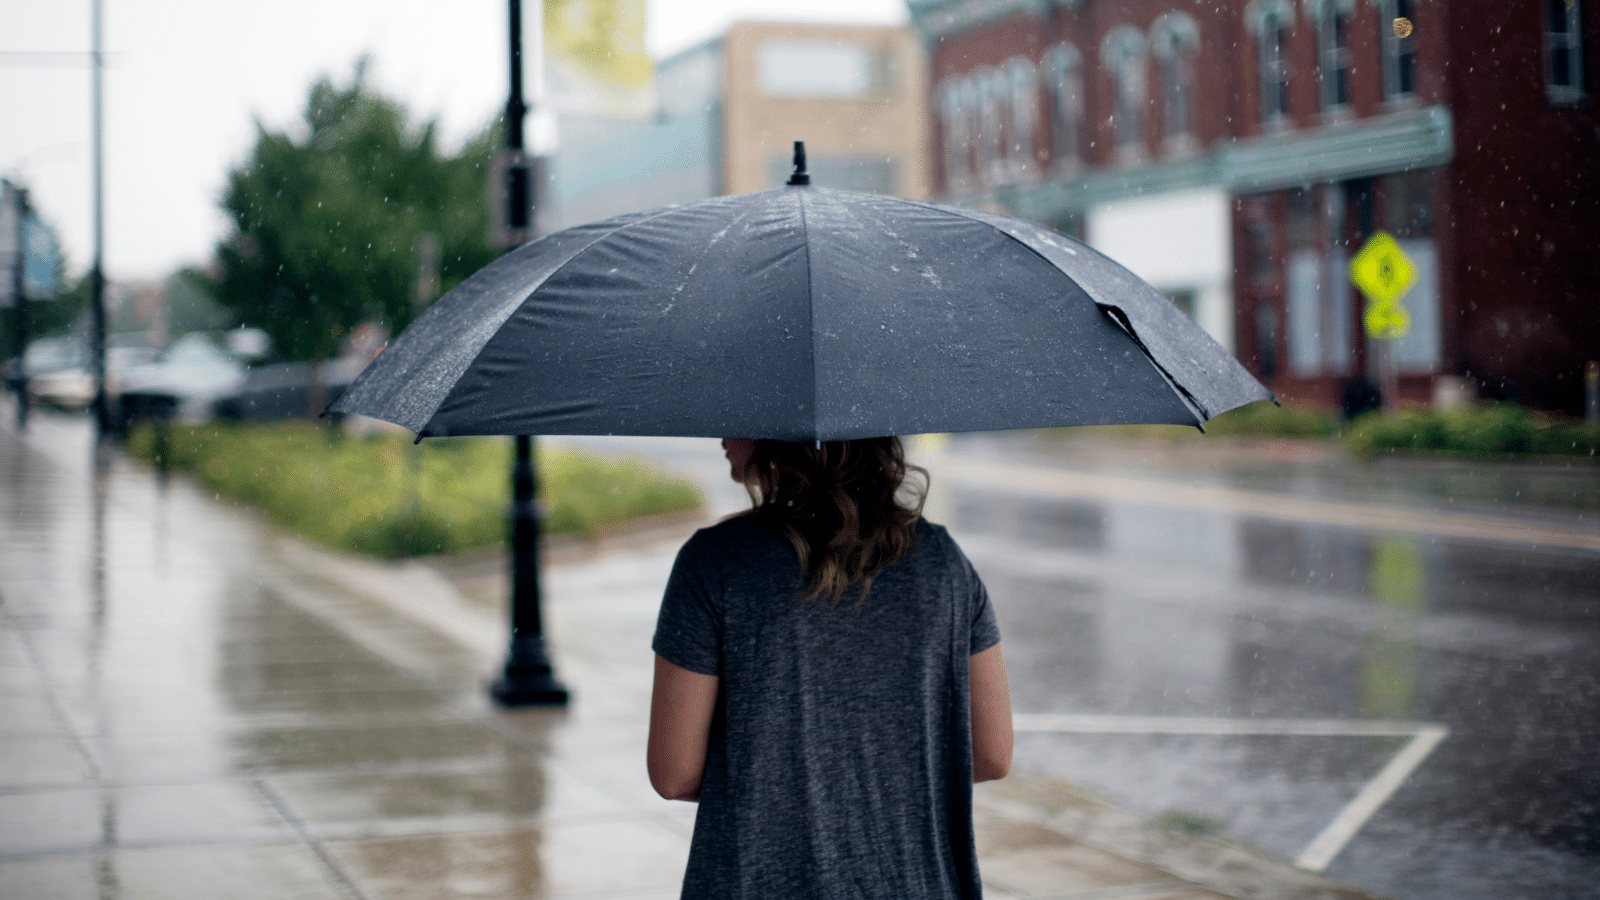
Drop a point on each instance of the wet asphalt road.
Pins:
(1390, 591)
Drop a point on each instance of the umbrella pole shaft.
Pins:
(528, 679)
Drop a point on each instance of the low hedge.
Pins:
(1269, 420)
(384, 496)
(1479, 429)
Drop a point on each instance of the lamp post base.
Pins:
(529, 679)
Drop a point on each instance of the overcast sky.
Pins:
(185, 80)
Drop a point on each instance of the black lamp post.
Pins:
(19, 297)
(97, 278)
(528, 678)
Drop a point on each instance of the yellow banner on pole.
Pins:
(595, 56)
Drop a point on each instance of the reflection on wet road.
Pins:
(1356, 597)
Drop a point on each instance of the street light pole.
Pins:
(97, 278)
(528, 678)
(19, 298)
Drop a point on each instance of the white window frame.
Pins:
(1022, 80)
(992, 107)
(1273, 24)
(1175, 43)
(1569, 40)
(1396, 50)
(1063, 73)
(955, 116)
(1124, 55)
(1333, 58)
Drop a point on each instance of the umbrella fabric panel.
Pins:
(411, 377)
(1206, 372)
(703, 304)
(928, 321)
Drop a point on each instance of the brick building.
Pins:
(1236, 154)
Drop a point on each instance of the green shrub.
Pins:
(1265, 419)
(1410, 429)
(1479, 429)
(1262, 419)
(1570, 438)
(385, 496)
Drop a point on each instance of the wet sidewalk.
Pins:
(193, 705)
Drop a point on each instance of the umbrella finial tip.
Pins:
(799, 175)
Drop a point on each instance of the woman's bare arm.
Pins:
(681, 706)
(991, 715)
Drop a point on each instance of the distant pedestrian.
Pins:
(828, 685)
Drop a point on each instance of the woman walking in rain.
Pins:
(828, 685)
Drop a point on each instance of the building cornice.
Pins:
(1393, 142)
(934, 19)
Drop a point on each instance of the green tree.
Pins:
(48, 316)
(327, 221)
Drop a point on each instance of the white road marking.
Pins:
(1325, 846)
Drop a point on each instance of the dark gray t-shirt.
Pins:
(840, 761)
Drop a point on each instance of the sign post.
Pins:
(1384, 273)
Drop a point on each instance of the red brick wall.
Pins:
(1516, 213)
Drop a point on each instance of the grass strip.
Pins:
(384, 496)
(1477, 429)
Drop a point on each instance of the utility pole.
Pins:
(528, 678)
(19, 297)
(97, 278)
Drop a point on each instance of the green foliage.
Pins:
(1260, 419)
(1264, 419)
(327, 224)
(1479, 429)
(385, 496)
(190, 307)
(1187, 823)
(49, 316)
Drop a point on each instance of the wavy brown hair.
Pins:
(847, 507)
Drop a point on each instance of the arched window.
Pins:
(993, 105)
(1122, 52)
(1063, 79)
(1398, 47)
(1022, 81)
(1175, 43)
(1272, 22)
(1333, 53)
(955, 116)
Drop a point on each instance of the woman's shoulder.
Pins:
(935, 537)
(738, 532)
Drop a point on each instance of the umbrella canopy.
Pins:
(799, 314)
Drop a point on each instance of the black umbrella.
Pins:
(799, 314)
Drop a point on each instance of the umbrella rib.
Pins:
(656, 214)
(1114, 312)
(811, 314)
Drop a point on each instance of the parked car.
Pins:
(180, 384)
(57, 373)
(284, 390)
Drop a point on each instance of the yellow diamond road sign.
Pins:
(1382, 270)
(1384, 273)
(1387, 320)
